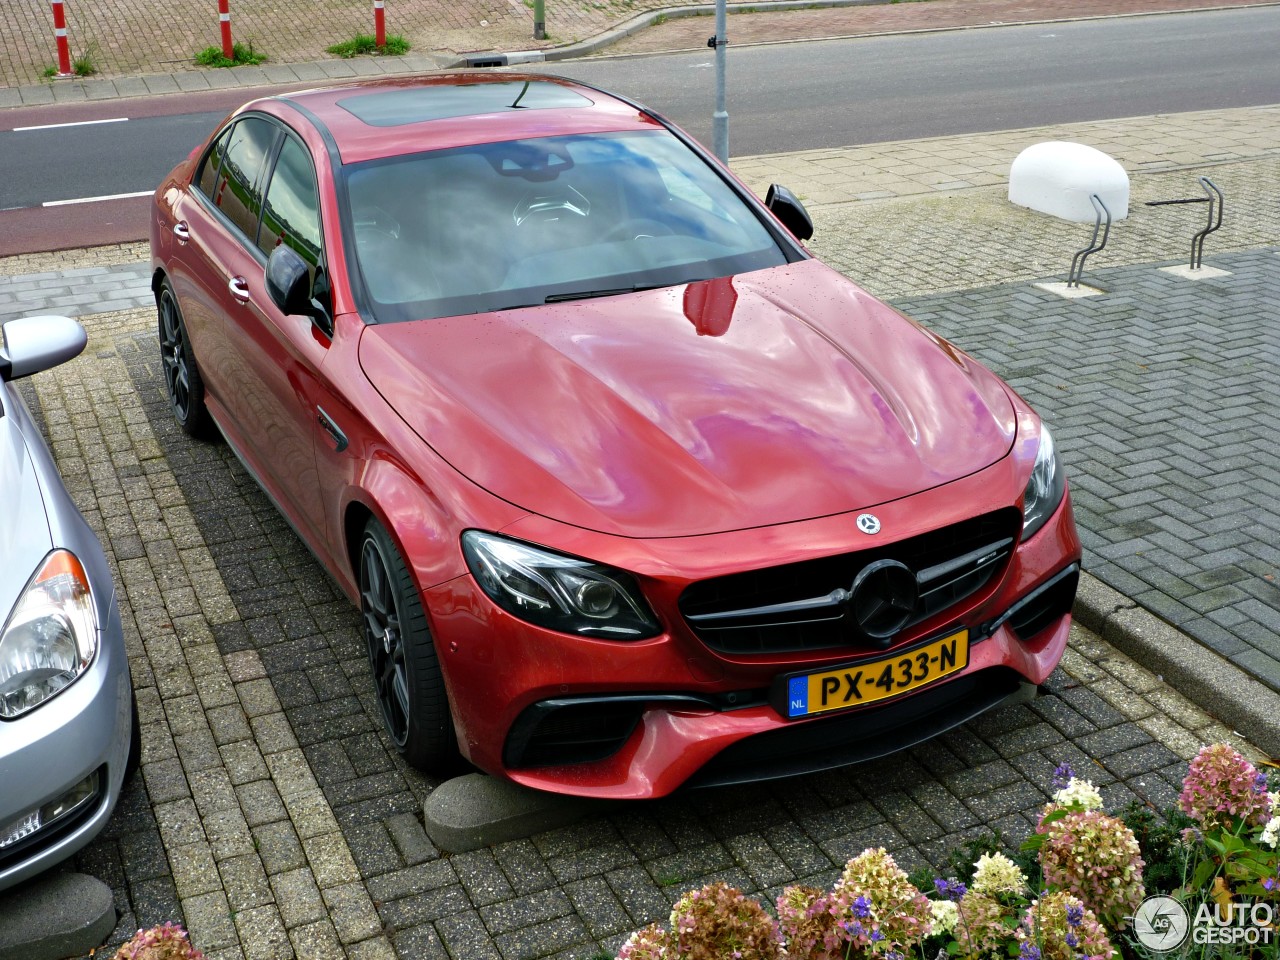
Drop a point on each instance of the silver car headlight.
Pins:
(558, 592)
(1047, 485)
(50, 638)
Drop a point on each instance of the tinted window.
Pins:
(503, 225)
(239, 179)
(291, 213)
(207, 176)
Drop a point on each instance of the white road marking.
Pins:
(113, 196)
(78, 123)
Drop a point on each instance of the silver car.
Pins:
(68, 723)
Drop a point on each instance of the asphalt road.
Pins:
(781, 97)
(833, 93)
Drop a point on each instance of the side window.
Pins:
(291, 212)
(208, 174)
(237, 193)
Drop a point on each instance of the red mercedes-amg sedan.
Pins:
(632, 492)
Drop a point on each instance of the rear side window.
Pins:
(238, 189)
(291, 214)
(208, 175)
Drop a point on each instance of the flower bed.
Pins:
(1084, 901)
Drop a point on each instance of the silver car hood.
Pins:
(25, 537)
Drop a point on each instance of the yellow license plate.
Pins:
(857, 684)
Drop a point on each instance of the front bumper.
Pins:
(82, 731)
(669, 711)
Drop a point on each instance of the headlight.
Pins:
(1048, 484)
(51, 636)
(558, 592)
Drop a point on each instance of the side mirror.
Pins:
(32, 344)
(289, 282)
(790, 211)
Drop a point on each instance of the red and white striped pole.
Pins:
(379, 24)
(60, 37)
(224, 15)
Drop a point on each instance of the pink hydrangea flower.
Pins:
(807, 926)
(874, 902)
(647, 944)
(168, 941)
(719, 922)
(1096, 858)
(1221, 785)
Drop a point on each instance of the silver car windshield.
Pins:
(522, 223)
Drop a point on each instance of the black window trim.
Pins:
(283, 130)
(270, 171)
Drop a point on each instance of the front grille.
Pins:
(807, 605)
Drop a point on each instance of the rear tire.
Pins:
(402, 655)
(182, 381)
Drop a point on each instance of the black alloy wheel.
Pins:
(182, 381)
(402, 655)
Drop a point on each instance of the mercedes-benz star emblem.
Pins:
(869, 523)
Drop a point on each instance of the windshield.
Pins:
(519, 223)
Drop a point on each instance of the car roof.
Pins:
(391, 117)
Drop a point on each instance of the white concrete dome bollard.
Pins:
(1058, 177)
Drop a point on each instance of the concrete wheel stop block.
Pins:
(54, 916)
(474, 811)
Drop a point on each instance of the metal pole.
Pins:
(539, 20)
(720, 119)
(224, 18)
(60, 40)
(379, 25)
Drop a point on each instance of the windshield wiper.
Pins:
(613, 292)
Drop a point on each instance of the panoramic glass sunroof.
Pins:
(396, 107)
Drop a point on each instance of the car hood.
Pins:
(769, 397)
(24, 528)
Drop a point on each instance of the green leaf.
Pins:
(1233, 844)
(1204, 870)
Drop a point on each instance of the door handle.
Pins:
(331, 428)
(182, 231)
(239, 288)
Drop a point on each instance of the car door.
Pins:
(256, 189)
(212, 223)
(276, 357)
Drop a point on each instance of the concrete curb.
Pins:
(1212, 682)
(475, 810)
(54, 916)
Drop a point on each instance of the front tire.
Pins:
(182, 381)
(402, 655)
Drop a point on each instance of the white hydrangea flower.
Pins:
(1271, 833)
(1081, 793)
(945, 915)
(995, 874)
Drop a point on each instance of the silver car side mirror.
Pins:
(32, 344)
